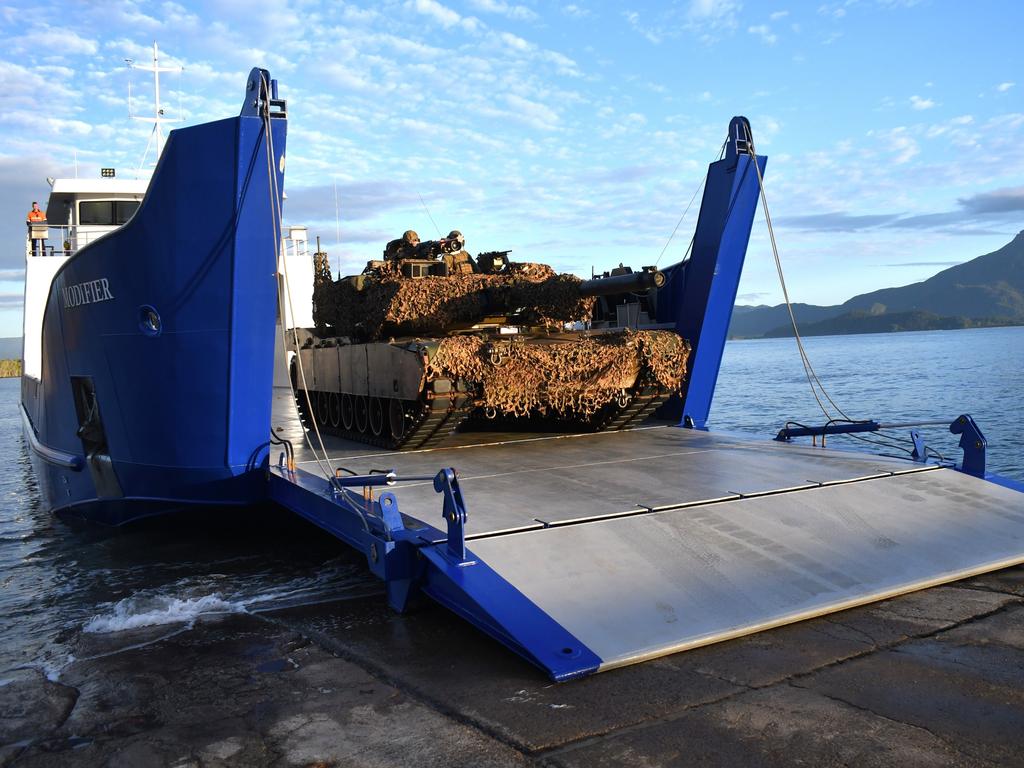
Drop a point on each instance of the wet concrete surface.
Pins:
(934, 678)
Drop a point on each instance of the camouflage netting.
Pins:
(391, 305)
(573, 379)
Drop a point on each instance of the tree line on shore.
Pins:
(9, 368)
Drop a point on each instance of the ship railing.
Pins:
(67, 240)
(64, 240)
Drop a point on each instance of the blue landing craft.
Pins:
(154, 382)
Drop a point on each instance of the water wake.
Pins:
(144, 611)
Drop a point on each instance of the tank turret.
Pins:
(429, 338)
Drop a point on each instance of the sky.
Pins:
(572, 133)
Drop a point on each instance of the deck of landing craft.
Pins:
(654, 540)
(516, 481)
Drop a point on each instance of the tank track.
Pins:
(647, 398)
(429, 421)
(426, 423)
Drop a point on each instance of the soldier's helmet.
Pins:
(411, 237)
(457, 237)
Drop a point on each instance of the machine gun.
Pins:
(432, 249)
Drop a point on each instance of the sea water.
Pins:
(62, 581)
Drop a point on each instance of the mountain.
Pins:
(753, 322)
(988, 290)
(886, 322)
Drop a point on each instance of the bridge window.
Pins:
(106, 212)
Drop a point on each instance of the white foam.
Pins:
(134, 612)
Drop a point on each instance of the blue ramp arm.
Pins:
(699, 293)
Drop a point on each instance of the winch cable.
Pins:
(329, 472)
(276, 217)
(679, 223)
(812, 377)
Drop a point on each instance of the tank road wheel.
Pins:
(348, 411)
(334, 409)
(396, 418)
(376, 416)
(362, 413)
(322, 408)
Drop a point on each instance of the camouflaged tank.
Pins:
(429, 338)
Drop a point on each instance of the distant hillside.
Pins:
(753, 322)
(888, 322)
(988, 290)
(10, 349)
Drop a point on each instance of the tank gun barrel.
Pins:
(635, 282)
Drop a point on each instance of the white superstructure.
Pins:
(79, 211)
(82, 210)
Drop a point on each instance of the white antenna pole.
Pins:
(156, 98)
(337, 223)
(158, 118)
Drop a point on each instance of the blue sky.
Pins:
(571, 132)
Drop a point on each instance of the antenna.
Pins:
(337, 224)
(158, 118)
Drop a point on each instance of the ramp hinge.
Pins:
(973, 444)
(447, 484)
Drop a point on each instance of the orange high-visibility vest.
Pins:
(36, 216)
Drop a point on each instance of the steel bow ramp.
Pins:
(588, 552)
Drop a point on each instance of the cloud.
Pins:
(920, 103)
(712, 10)
(359, 200)
(442, 14)
(54, 40)
(709, 18)
(21, 182)
(515, 42)
(1004, 87)
(620, 175)
(923, 264)
(995, 206)
(652, 34)
(533, 113)
(575, 11)
(778, 15)
(1006, 200)
(765, 33)
(903, 144)
(517, 12)
(753, 296)
(839, 221)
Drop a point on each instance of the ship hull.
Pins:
(158, 339)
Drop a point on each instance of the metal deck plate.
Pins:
(515, 482)
(638, 587)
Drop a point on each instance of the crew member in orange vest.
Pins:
(36, 215)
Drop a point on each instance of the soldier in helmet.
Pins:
(402, 248)
(456, 260)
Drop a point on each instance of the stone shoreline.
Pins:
(934, 678)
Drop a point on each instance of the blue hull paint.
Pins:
(185, 406)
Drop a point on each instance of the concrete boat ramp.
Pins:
(933, 678)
